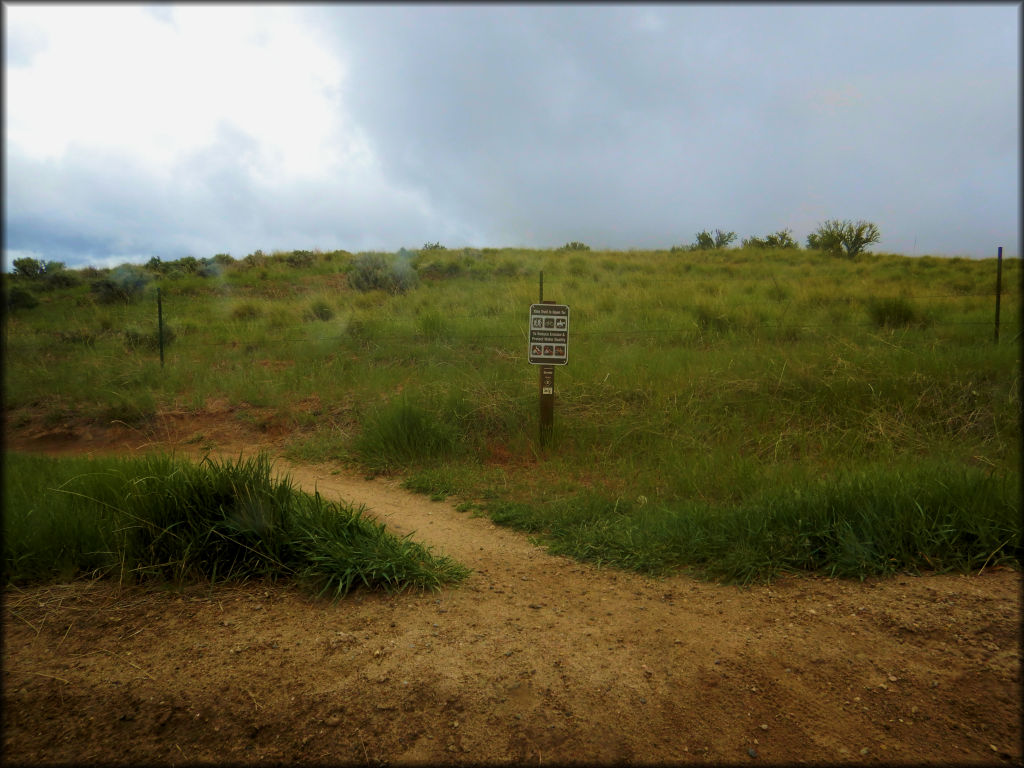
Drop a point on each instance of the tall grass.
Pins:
(222, 521)
(849, 525)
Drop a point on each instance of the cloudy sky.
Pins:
(132, 131)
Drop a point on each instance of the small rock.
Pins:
(865, 751)
(764, 726)
(752, 752)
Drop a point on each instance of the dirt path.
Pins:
(534, 659)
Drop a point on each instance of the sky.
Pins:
(133, 131)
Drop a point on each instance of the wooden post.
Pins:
(160, 324)
(547, 389)
(999, 288)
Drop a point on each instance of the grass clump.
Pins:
(894, 312)
(402, 432)
(222, 521)
(320, 310)
(246, 311)
(852, 526)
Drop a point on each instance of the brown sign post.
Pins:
(548, 347)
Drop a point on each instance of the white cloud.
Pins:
(119, 77)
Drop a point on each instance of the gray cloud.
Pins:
(623, 126)
(636, 126)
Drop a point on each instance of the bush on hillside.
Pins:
(19, 298)
(125, 284)
(373, 271)
(781, 239)
(843, 238)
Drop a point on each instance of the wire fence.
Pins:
(712, 316)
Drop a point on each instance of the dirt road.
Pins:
(534, 659)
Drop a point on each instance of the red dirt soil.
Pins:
(534, 659)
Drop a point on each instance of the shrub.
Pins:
(19, 298)
(781, 239)
(708, 242)
(838, 238)
(384, 272)
(433, 247)
(28, 267)
(575, 245)
(125, 284)
(299, 259)
(208, 268)
(189, 264)
(33, 269)
(224, 259)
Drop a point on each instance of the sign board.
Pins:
(549, 334)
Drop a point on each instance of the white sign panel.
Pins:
(549, 334)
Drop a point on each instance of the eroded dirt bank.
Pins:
(533, 659)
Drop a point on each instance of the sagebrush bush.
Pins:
(123, 285)
(373, 271)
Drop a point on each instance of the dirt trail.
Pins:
(533, 659)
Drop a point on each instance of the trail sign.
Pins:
(549, 334)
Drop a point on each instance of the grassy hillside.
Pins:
(698, 383)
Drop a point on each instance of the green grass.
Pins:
(157, 518)
(850, 525)
(696, 380)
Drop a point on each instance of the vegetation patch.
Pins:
(403, 432)
(157, 518)
(853, 526)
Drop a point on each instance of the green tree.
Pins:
(28, 267)
(781, 239)
(843, 238)
(708, 242)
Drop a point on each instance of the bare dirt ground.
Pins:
(534, 659)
